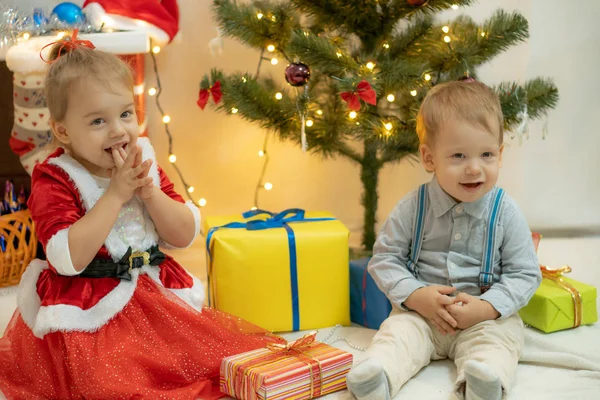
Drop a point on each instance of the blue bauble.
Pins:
(39, 19)
(69, 13)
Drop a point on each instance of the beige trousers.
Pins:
(406, 342)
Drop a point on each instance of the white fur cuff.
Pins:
(59, 254)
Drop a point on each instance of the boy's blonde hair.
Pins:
(469, 101)
(68, 66)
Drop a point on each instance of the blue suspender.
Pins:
(418, 227)
(486, 276)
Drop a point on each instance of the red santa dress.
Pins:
(74, 337)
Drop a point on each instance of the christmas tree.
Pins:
(358, 71)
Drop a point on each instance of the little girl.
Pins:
(109, 316)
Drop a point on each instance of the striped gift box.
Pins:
(303, 369)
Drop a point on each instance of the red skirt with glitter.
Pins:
(157, 347)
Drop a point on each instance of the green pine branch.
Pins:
(321, 54)
(539, 94)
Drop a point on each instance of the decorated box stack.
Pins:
(284, 272)
(560, 303)
(303, 369)
(369, 307)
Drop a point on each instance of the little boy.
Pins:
(455, 258)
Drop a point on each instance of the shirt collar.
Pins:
(441, 202)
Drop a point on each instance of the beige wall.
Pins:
(556, 180)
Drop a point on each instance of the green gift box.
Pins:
(554, 307)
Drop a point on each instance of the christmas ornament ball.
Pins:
(416, 3)
(69, 13)
(297, 74)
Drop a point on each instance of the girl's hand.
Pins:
(125, 177)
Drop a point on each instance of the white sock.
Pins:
(367, 381)
(482, 382)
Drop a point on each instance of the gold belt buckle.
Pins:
(143, 254)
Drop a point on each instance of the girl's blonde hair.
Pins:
(69, 64)
(469, 101)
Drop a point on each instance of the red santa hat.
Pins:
(159, 18)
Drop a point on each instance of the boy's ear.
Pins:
(60, 131)
(500, 156)
(426, 158)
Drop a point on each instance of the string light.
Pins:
(427, 77)
(244, 79)
(413, 92)
(271, 48)
(259, 15)
(254, 208)
(391, 97)
(278, 96)
(234, 110)
(388, 126)
(370, 65)
(353, 114)
(447, 39)
(320, 112)
(152, 91)
(61, 34)
(455, 6)
(166, 119)
(445, 29)
(268, 186)
(274, 61)
(26, 36)
(338, 54)
(482, 34)
(261, 153)
(309, 123)
(386, 45)
(273, 18)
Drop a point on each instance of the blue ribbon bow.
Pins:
(273, 221)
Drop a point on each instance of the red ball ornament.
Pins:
(297, 74)
(416, 3)
(466, 79)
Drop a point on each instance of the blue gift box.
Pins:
(369, 307)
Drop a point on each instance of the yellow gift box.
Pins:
(282, 272)
(560, 303)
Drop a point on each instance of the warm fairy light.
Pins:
(234, 110)
(309, 123)
(254, 208)
(386, 45)
(61, 35)
(320, 112)
(26, 36)
(152, 91)
(166, 119)
(482, 34)
(172, 158)
(445, 29)
(271, 47)
(156, 49)
(447, 39)
(268, 186)
(202, 202)
(278, 96)
(191, 189)
(259, 15)
(274, 61)
(413, 92)
(338, 54)
(353, 114)
(370, 65)
(261, 153)
(388, 126)
(427, 77)
(391, 97)
(273, 18)
(455, 6)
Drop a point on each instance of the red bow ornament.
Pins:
(214, 90)
(67, 45)
(363, 91)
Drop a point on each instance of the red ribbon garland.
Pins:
(67, 45)
(363, 91)
(204, 95)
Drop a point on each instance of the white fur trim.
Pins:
(97, 16)
(63, 317)
(59, 254)
(25, 56)
(194, 296)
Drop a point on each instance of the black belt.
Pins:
(121, 269)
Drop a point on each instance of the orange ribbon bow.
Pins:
(204, 95)
(297, 344)
(68, 45)
(363, 91)
(556, 275)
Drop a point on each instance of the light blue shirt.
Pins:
(452, 249)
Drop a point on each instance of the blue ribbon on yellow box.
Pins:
(280, 220)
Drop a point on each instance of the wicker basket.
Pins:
(18, 230)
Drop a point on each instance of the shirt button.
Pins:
(459, 210)
(457, 236)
